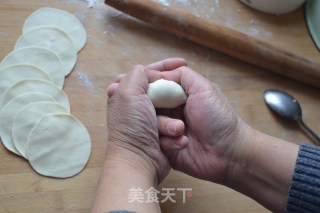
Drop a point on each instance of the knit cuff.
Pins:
(304, 192)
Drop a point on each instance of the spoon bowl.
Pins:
(289, 108)
(283, 104)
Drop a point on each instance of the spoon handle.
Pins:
(309, 132)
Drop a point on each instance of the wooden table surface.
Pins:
(116, 42)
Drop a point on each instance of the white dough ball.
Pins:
(166, 94)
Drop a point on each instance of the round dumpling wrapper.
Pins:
(63, 20)
(58, 146)
(40, 57)
(35, 85)
(11, 75)
(9, 111)
(53, 39)
(27, 117)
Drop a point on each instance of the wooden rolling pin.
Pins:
(223, 39)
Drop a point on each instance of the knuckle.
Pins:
(184, 69)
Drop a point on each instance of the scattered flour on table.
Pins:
(216, 3)
(85, 80)
(230, 16)
(95, 3)
(257, 30)
(4, 34)
(165, 2)
(91, 3)
(181, 2)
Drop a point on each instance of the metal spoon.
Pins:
(288, 107)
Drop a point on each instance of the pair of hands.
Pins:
(199, 138)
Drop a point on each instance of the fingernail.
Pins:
(183, 142)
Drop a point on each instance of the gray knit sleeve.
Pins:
(304, 192)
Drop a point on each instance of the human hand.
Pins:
(218, 146)
(204, 138)
(213, 130)
(132, 121)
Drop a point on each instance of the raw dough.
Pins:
(166, 94)
(58, 146)
(43, 58)
(8, 113)
(27, 117)
(53, 39)
(11, 75)
(31, 82)
(35, 85)
(61, 19)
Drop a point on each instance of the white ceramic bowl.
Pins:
(313, 17)
(274, 6)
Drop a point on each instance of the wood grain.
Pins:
(221, 38)
(116, 42)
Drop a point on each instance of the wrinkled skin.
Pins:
(199, 138)
(212, 129)
(132, 121)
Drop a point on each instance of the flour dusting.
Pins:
(91, 3)
(164, 2)
(217, 3)
(258, 31)
(4, 34)
(95, 3)
(85, 80)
